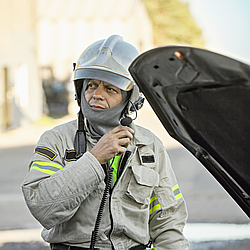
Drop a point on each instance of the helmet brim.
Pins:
(103, 75)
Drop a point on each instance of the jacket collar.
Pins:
(141, 135)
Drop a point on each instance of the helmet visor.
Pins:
(117, 80)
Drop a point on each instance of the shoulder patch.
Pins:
(46, 152)
(148, 158)
(70, 155)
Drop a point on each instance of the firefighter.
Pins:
(96, 184)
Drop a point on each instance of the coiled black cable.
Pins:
(102, 205)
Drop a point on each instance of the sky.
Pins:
(225, 25)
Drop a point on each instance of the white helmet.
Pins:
(106, 60)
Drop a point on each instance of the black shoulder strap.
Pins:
(80, 144)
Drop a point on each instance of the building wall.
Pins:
(41, 36)
(20, 99)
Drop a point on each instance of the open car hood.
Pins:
(203, 100)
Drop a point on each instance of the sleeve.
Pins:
(54, 190)
(168, 213)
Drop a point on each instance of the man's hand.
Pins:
(112, 143)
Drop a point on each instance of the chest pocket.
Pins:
(141, 184)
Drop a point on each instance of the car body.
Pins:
(202, 99)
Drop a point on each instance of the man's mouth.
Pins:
(97, 107)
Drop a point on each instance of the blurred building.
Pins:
(40, 39)
(20, 89)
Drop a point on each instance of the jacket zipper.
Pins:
(122, 163)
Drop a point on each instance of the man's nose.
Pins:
(98, 93)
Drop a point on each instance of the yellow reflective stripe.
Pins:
(154, 204)
(46, 171)
(175, 187)
(45, 163)
(177, 192)
(153, 199)
(46, 167)
(178, 196)
(156, 207)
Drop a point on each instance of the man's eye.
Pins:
(111, 89)
(92, 85)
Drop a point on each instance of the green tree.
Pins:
(173, 24)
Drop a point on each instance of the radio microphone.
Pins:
(126, 121)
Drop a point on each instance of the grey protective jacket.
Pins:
(64, 194)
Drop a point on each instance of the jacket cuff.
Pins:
(93, 164)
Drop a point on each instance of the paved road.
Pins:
(207, 201)
(14, 166)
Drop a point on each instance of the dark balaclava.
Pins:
(101, 121)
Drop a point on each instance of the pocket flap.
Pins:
(145, 176)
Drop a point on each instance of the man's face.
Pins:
(102, 95)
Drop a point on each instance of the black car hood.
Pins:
(203, 100)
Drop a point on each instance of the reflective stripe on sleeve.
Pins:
(154, 205)
(46, 167)
(177, 192)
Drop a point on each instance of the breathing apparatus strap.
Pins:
(80, 137)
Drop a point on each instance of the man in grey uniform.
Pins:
(97, 166)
